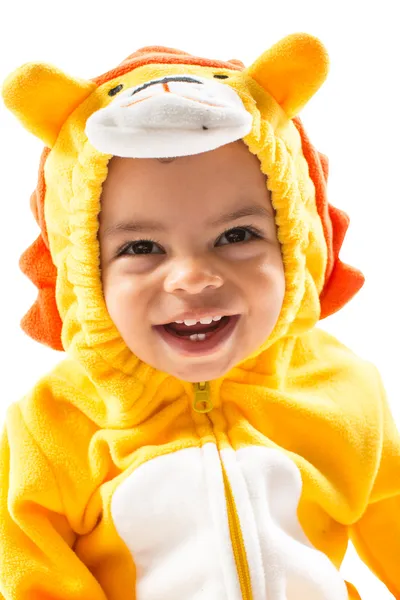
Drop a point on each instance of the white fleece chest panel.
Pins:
(177, 115)
(172, 514)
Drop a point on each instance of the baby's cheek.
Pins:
(127, 302)
(269, 294)
(118, 294)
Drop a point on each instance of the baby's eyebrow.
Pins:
(146, 225)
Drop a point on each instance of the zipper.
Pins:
(239, 550)
(202, 404)
(202, 401)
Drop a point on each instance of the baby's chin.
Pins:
(193, 370)
(194, 373)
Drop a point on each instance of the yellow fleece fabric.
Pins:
(102, 414)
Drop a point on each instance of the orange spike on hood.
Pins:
(342, 281)
(42, 322)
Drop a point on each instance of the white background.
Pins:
(354, 119)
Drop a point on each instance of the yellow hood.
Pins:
(70, 313)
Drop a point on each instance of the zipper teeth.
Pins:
(237, 539)
(203, 404)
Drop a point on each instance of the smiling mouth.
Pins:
(181, 330)
(190, 343)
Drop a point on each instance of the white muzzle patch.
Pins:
(177, 115)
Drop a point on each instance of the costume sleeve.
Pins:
(376, 536)
(37, 561)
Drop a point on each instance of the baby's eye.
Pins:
(140, 247)
(234, 235)
(236, 232)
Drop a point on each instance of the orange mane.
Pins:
(342, 281)
(163, 55)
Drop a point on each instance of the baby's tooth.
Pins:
(216, 318)
(206, 320)
(190, 322)
(197, 337)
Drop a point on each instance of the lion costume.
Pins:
(121, 481)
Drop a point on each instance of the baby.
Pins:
(203, 438)
(190, 201)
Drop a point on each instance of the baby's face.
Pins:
(191, 263)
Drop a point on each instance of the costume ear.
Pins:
(292, 71)
(42, 97)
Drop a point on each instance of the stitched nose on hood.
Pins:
(166, 80)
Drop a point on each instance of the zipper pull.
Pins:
(202, 402)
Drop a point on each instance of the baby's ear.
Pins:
(292, 71)
(42, 97)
